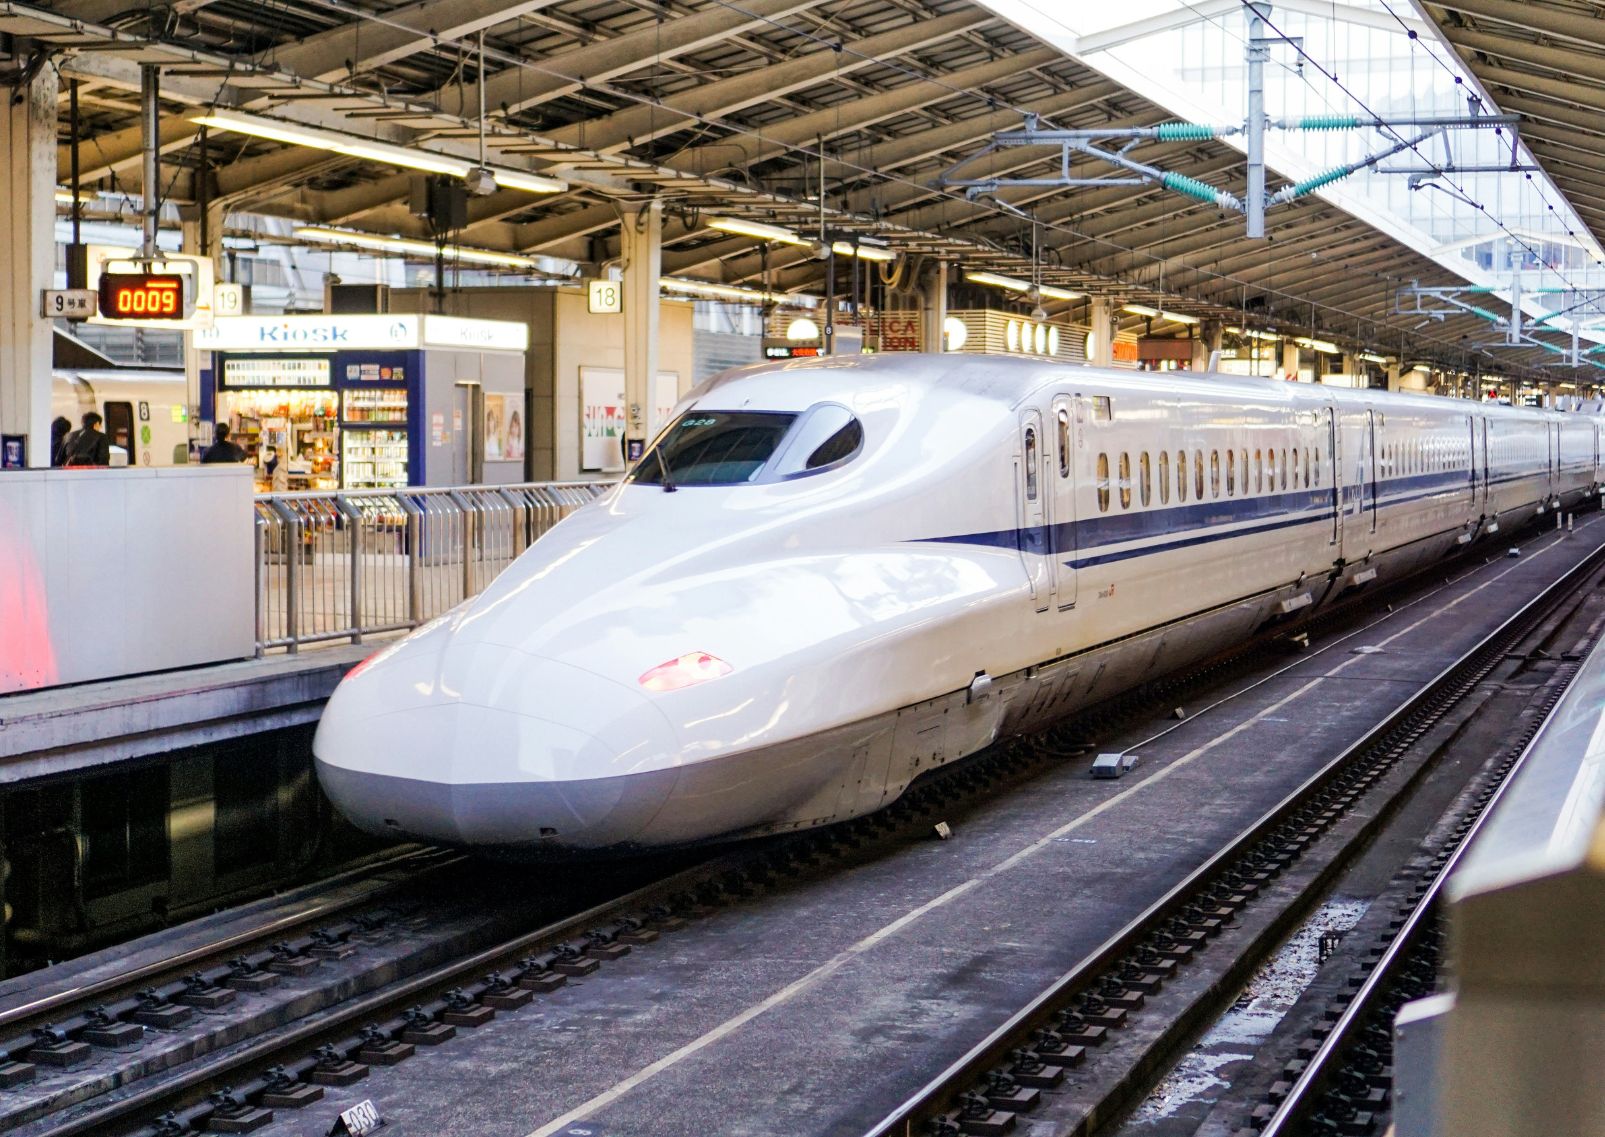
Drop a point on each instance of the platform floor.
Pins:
(815, 1009)
(66, 730)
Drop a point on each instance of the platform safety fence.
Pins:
(349, 564)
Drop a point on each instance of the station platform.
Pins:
(68, 730)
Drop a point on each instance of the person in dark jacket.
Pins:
(86, 446)
(60, 427)
(221, 449)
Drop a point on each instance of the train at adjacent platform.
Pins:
(829, 577)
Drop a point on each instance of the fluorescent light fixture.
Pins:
(757, 229)
(730, 291)
(426, 249)
(334, 142)
(530, 183)
(1325, 346)
(1253, 333)
(1144, 310)
(1372, 357)
(1014, 285)
(65, 196)
(862, 252)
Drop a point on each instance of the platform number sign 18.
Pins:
(358, 1121)
(605, 297)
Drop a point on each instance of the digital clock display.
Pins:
(142, 296)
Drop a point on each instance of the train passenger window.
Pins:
(1284, 467)
(1164, 477)
(1270, 469)
(1214, 473)
(1242, 464)
(1125, 480)
(1103, 483)
(1231, 478)
(1198, 473)
(1145, 471)
(714, 448)
(1181, 475)
(1064, 443)
(1259, 471)
(1030, 463)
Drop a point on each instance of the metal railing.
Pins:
(340, 566)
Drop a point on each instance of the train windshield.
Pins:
(714, 448)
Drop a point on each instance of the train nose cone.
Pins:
(544, 756)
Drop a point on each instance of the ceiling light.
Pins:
(1325, 346)
(1253, 333)
(1179, 318)
(531, 183)
(1372, 357)
(1151, 313)
(862, 252)
(407, 157)
(1014, 285)
(757, 229)
(384, 244)
(1140, 310)
(731, 291)
(65, 197)
(954, 334)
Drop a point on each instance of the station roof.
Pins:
(742, 108)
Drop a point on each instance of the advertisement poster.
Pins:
(513, 444)
(495, 426)
(602, 419)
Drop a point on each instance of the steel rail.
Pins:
(57, 1001)
(932, 1099)
(1311, 1082)
(347, 1016)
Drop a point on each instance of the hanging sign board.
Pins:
(604, 297)
(143, 296)
(69, 303)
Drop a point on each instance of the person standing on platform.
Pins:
(86, 446)
(60, 427)
(221, 449)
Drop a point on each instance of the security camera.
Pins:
(480, 182)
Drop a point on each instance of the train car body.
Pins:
(144, 411)
(827, 578)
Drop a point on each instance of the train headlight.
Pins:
(687, 671)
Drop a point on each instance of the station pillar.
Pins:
(641, 249)
(202, 233)
(28, 229)
(1289, 360)
(1206, 344)
(1394, 376)
(1102, 319)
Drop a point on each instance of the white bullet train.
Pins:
(828, 577)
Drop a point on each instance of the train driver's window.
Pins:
(1231, 478)
(1064, 443)
(1214, 473)
(1164, 477)
(1125, 480)
(1103, 483)
(1198, 473)
(1030, 463)
(1259, 471)
(1146, 472)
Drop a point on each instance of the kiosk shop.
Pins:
(370, 401)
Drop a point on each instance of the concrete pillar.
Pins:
(1103, 332)
(1289, 360)
(197, 361)
(1206, 343)
(1393, 376)
(28, 229)
(936, 309)
(641, 249)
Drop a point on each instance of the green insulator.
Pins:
(1319, 180)
(1328, 122)
(1192, 187)
(1183, 132)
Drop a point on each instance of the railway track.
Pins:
(363, 1008)
(1077, 1056)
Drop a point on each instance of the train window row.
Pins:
(1273, 470)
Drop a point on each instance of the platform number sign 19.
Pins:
(358, 1121)
(605, 297)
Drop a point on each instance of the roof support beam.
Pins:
(643, 123)
(1588, 30)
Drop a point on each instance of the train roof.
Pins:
(1013, 380)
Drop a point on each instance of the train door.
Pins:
(1368, 468)
(1033, 532)
(120, 427)
(1335, 464)
(1067, 421)
(1484, 464)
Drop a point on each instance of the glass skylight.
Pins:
(1366, 58)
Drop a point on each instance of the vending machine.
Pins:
(370, 401)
